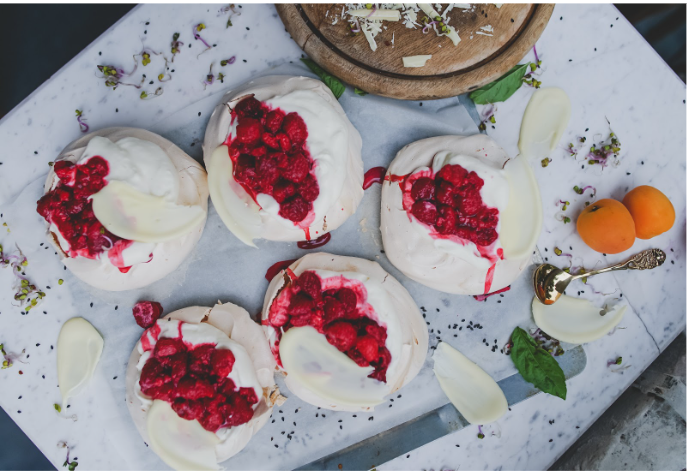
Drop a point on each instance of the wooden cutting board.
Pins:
(477, 60)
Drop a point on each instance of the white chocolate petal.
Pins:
(546, 117)
(574, 320)
(472, 391)
(79, 347)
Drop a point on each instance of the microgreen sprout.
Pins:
(71, 466)
(617, 361)
(60, 282)
(209, 78)
(581, 190)
(57, 407)
(9, 358)
(565, 204)
(27, 295)
(545, 162)
(231, 60)
(144, 95)
(113, 76)
(197, 29)
(229, 8)
(175, 46)
(145, 59)
(600, 153)
(481, 435)
(83, 126)
(566, 219)
(221, 78)
(550, 344)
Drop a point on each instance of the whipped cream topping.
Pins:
(243, 373)
(333, 144)
(394, 309)
(443, 264)
(150, 175)
(494, 193)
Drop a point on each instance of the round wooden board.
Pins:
(453, 70)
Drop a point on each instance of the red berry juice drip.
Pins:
(316, 243)
(373, 176)
(484, 297)
(276, 268)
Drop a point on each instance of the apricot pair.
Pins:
(610, 226)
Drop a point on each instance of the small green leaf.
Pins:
(360, 92)
(57, 407)
(72, 466)
(331, 81)
(536, 365)
(502, 88)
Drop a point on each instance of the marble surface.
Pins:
(590, 51)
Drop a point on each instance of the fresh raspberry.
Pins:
(334, 309)
(317, 320)
(273, 120)
(270, 140)
(295, 209)
(309, 189)
(385, 358)
(446, 220)
(474, 181)
(300, 304)
(211, 421)
(471, 204)
(423, 189)
(309, 282)
(146, 313)
(425, 211)
(485, 236)
(444, 193)
(266, 172)
(488, 218)
(471, 222)
(200, 359)
(284, 142)
(282, 190)
(152, 375)
(165, 392)
(356, 356)
(237, 411)
(295, 127)
(249, 131)
(348, 299)
(259, 151)
(194, 388)
(222, 362)
(341, 335)
(187, 409)
(65, 170)
(244, 170)
(377, 332)
(176, 365)
(169, 347)
(278, 319)
(467, 233)
(297, 168)
(225, 386)
(453, 173)
(300, 320)
(249, 394)
(249, 107)
(98, 166)
(368, 347)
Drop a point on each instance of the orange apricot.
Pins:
(651, 210)
(606, 226)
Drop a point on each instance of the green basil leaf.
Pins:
(536, 365)
(502, 88)
(360, 92)
(331, 81)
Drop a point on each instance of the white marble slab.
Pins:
(647, 114)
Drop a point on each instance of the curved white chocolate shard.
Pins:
(413, 336)
(183, 444)
(416, 61)
(167, 256)
(79, 347)
(311, 361)
(333, 143)
(521, 222)
(133, 215)
(574, 320)
(546, 117)
(472, 391)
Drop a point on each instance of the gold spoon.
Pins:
(550, 282)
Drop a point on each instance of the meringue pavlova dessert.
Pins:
(284, 162)
(458, 215)
(200, 385)
(124, 207)
(343, 331)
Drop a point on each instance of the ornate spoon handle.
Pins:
(647, 259)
